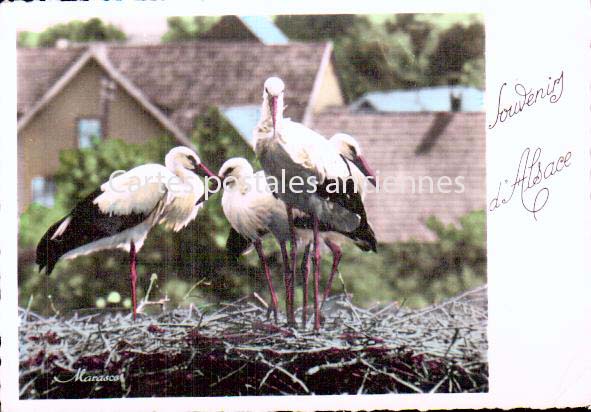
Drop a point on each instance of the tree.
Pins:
(27, 39)
(320, 26)
(460, 50)
(187, 28)
(386, 56)
(402, 51)
(76, 31)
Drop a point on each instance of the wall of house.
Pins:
(54, 128)
(330, 93)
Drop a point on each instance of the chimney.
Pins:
(455, 100)
(62, 44)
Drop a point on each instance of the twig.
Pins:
(391, 375)
(293, 378)
(228, 375)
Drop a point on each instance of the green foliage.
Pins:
(27, 39)
(77, 31)
(187, 28)
(81, 171)
(421, 273)
(457, 47)
(320, 26)
(401, 51)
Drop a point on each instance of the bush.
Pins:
(420, 273)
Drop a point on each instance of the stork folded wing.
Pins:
(137, 191)
(237, 245)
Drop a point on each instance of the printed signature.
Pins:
(82, 376)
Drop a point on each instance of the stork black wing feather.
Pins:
(350, 199)
(87, 224)
(236, 244)
(345, 194)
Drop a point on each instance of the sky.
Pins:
(145, 28)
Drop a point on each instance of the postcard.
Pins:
(295, 206)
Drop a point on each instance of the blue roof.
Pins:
(428, 99)
(264, 29)
(243, 119)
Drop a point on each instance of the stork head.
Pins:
(349, 148)
(186, 158)
(274, 88)
(234, 169)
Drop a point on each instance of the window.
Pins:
(87, 130)
(43, 191)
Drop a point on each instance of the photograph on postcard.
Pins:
(252, 205)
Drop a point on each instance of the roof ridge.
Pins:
(176, 44)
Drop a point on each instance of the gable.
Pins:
(38, 69)
(81, 98)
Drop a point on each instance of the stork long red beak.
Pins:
(364, 167)
(203, 171)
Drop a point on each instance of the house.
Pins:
(66, 96)
(427, 99)
(427, 164)
(252, 28)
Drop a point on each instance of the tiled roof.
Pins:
(38, 69)
(411, 146)
(427, 99)
(182, 79)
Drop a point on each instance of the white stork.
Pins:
(348, 147)
(253, 212)
(122, 211)
(289, 152)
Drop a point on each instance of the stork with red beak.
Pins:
(253, 213)
(121, 213)
(295, 155)
(362, 174)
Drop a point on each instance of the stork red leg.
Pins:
(259, 247)
(294, 248)
(305, 272)
(336, 259)
(316, 274)
(133, 273)
(289, 287)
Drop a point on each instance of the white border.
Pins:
(539, 300)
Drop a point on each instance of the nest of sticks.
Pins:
(236, 350)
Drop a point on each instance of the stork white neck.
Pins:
(266, 120)
(181, 161)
